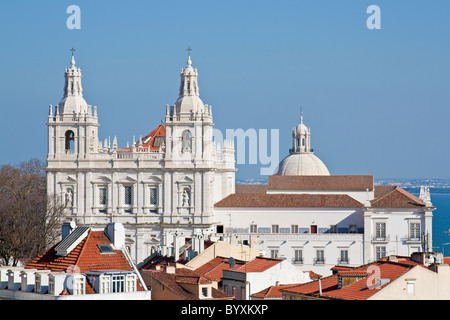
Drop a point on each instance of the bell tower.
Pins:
(72, 126)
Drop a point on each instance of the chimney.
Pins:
(170, 269)
(116, 233)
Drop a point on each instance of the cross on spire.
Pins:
(189, 50)
(73, 50)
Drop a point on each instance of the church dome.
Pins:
(302, 160)
(306, 164)
(301, 129)
(186, 104)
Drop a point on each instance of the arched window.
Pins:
(186, 140)
(70, 141)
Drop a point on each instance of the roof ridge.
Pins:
(409, 195)
(384, 195)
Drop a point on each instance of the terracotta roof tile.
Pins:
(358, 290)
(289, 201)
(259, 264)
(272, 291)
(86, 256)
(174, 282)
(396, 197)
(329, 183)
(250, 188)
(213, 269)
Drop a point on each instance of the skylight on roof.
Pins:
(105, 248)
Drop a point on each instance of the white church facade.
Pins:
(167, 181)
(177, 180)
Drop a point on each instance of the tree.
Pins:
(29, 220)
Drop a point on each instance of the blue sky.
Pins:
(376, 100)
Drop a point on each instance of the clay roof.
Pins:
(149, 140)
(259, 264)
(86, 256)
(272, 291)
(358, 290)
(321, 183)
(250, 188)
(289, 201)
(395, 197)
(213, 269)
(174, 282)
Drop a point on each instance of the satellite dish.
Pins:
(232, 262)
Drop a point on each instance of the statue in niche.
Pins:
(185, 198)
(69, 198)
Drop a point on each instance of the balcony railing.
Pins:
(297, 261)
(384, 238)
(318, 261)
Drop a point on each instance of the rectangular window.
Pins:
(38, 284)
(78, 286)
(410, 287)
(352, 228)
(320, 256)
(118, 283)
(51, 286)
(131, 284)
(253, 228)
(380, 230)
(103, 196)
(313, 229)
(333, 228)
(154, 196)
(275, 228)
(204, 291)
(298, 256)
(380, 252)
(104, 285)
(344, 257)
(128, 195)
(294, 228)
(414, 231)
(274, 253)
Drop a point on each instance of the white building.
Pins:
(86, 264)
(177, 180)
(316, 220)
(166, 181)
(259, 274)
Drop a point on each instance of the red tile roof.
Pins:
(329, 183)
(149, 139)
(174, 282)
(259, 264)
(358, 290)
(289, 201)
(86, 256)
(250, 188)
(395, 197)
(213, 269)
(272, 291)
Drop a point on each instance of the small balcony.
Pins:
(381, 239)
(297, 261)
(318, 261)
